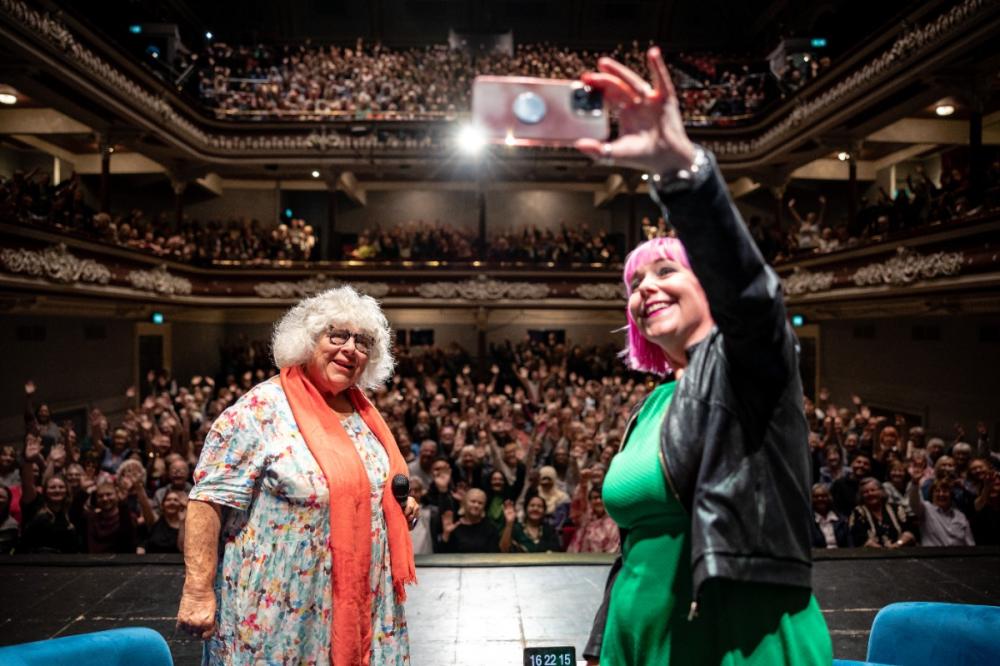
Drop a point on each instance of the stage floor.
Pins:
(473, 610)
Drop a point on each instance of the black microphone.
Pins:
(401, 489)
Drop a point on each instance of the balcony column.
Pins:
(854, 151)
(977, 157)
(481, 210)
(778, 192)
(329, 241)
(105, 147)
(633, 232)
(178, 185)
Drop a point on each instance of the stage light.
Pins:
(645, 176)
(135, 29)
(208, 35)
(843, 156)
(8, 99)
(153, 51)
(315, 174)
(944, 109)
(798, 320)
(470, 139)
(818, 42)
(157, 318)
(288, 213)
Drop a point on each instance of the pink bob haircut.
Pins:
(641, 354)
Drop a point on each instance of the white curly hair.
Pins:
(297, 333)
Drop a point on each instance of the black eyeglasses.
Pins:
(362, 341)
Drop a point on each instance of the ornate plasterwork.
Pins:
(312, 286)
(804, 282)
(910, 41)
(605, 291)
(161, 281)
(907, 267)
(483, 289)
(913, 39)
(55, 263)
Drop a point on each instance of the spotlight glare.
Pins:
(509, 140)
(208, 35)
(843, 156)
(315, 174)
(471, 139)
(944, 109)
(8, 99)
(645, 176)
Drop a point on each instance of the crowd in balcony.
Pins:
(372, 81)
(419, 240)
(32, 199)
(919, 204)
(529, 432)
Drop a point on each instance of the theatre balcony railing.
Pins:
(41, 263)
(942, 269)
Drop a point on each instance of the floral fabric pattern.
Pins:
(273, 585)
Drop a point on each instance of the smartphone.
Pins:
(527, 111)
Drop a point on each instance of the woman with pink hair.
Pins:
(711, 485)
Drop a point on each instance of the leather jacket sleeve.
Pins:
(744, 294)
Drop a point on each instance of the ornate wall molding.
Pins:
(313, 286)
(55, 263)
(605, 291)
(909, 266)
(160, 281)
(483, 289)
(804, 282)
(913, 40)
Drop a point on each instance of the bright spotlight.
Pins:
(208, 35)
(315, 174)
(944, 109)
(471, 139)
(645, 176)
(8, 99)
(843, 156)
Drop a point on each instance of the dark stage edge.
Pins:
(474, 609)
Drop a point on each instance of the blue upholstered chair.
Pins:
(133, 646)
(924, 633)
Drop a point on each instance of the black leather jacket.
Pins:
(734, 445)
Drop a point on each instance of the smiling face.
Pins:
(871, 494)
(336, 367)
(668, 306)
(475, 505)
(535, 509)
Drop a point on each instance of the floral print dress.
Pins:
(273, 585)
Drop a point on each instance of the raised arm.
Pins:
(743, 293)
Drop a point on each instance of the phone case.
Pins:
(527, 111)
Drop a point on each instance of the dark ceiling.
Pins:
(734, 26)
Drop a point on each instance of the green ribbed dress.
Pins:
(737, 622)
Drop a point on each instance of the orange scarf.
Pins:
(350, 512)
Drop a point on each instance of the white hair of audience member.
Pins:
(299, 331)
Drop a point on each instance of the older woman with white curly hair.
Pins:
(292, 490)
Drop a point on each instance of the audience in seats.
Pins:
(372, 81)
(509, 458)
